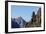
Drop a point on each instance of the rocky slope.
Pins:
(35, 20)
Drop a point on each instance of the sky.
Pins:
(24, 11)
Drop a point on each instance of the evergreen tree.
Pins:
(33, 16)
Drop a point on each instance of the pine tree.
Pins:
(33, 14)
(33, 17)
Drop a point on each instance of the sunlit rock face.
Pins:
(38, 17)
(20, 21)
(37, 22)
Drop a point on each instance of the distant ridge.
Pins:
(20, 21)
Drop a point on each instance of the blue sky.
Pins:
(24, 11)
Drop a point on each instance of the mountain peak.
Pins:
(19, 20)
(18, 17)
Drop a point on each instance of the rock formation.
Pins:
(35, 20)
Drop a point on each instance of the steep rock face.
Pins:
(19, 21)
(38, 17)
(35, 21)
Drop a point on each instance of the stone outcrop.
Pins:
(35, 20)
